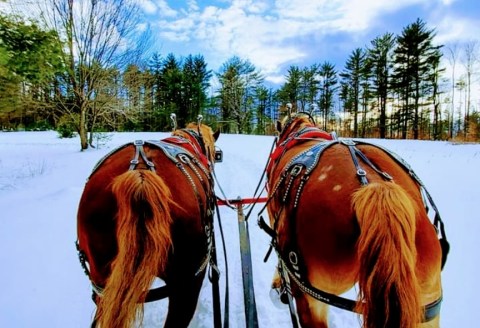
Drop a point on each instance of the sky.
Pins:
(42, 178)
(276, 34)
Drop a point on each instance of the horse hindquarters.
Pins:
(387, 255)
(144, 240)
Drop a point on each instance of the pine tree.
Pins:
(413, 56)
(328, 87)
(380, 55)
(352, 77)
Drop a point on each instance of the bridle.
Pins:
(286, 129)
(195, 136)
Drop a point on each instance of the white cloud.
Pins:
(164, 9)
(193, 5)
(148, 6)
(451, 29)
(273, 34)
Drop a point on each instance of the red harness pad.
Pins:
(189, 146)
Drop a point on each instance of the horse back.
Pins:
(320, 221)
(96, 225)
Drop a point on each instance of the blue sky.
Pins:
(275, 34)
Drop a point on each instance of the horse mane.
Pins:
(295, 122)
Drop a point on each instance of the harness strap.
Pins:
(140, 152)
(179, 156)
(361, 173)
(294, 267)
(430, 311)
(437, 221)
(287, 291)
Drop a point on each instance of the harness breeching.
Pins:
(183, 153)
(288, 190)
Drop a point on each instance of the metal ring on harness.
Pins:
(361, 172)
(293, 258)
(295, 171)
(184, 158)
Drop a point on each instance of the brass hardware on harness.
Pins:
(218, 156)
(184, 158)
(295, 171)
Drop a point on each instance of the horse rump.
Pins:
(389, 289)
(144, 241)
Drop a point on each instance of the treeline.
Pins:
(71, 79)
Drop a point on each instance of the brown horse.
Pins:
(344, 212)
(146, 212)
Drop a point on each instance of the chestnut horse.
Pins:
(146, 212)
(344, 212)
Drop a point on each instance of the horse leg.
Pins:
(435, 323)
(312, 313)
(276, 280)
(276, 295)
(427, 298)
(431, 290)
(182, 301)
(94, 321)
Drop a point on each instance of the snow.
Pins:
(42, 178)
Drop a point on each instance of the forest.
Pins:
(74, 74)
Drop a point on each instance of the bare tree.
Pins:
(452, 55)
(471, 59)
(98, 36)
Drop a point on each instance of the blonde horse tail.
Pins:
(388, 284)
(144, 241)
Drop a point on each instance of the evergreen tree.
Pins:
(352, 77)
(290, 92)
(196, 79)
(239, 81)
(172, 78)
(413, 55)
(380, 57)
(30, 60)
(157, 118)
(308, 88)
(328, 87)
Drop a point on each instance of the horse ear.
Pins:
(216, 134)
(279, 126)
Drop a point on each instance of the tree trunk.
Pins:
(83, 129)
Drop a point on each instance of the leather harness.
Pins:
(183, 153)
(300, 167)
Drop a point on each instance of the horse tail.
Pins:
(388, 285)
(144, 241)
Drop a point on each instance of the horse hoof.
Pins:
(277, 298)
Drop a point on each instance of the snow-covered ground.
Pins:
(42, 178)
